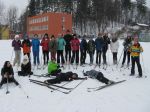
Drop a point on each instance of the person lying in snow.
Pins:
(98, 75)
(7, 74)
(60, 77)
(25, 67)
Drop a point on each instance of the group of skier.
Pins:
(72, 46)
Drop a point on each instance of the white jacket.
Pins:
(114, 46)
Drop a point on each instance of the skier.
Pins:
(106, 41)
(7, 74)
(16, 43)
(83, 50)
(75, 45)
(127, 44)
(36, 49)
(25, 67)
(135, 50)
(91, 50)
(68, 76)
(53, 68)
(68, 37)
(99, 45)
(60, 48)
(45, 44)
(53, 47)
(114, 46)
(26, 46)
(98, 75)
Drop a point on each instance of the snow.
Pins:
(142, 24)
(129, 96)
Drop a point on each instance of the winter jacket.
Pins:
(52, 66)
(83, 45)
(75, 43)
(53, 46)
(45, 44)
(61, 43)
(106, 41)
(68, 39)
(26, 45)
(65, 76)
(114, 46)
(135, 50)
(8, 70)
(35, 45)
(16, 44)
(99, 43)
(91, 46)
(127, 44)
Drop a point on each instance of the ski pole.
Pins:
(7, 91)
(23, 91)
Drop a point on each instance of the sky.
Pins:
(21, 4)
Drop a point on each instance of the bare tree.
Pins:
(12, 16)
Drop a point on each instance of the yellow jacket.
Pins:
(136, 50)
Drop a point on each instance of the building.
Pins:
(51, 23)
(4, 32)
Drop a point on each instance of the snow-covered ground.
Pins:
(130, 96)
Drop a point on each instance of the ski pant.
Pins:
(12, 79)
(67, 52)
(126, 54)
(101, 78)
(83, 56)
(54, 81)
(24, 73)
(137, 61)
(115, 57)
(36, 59)
(98, 57)
(104, 57)
(60, 54)
(75, 55)
(46, 57)
(91, 57)
(53, 55)
(17, 58)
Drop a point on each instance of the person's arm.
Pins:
(79, 78)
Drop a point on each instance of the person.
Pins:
(68, 76)
(68, 37)
(98, 75)
(26, 46)
(91, 50)
(127, 44)
(7, 74)
(53, 68)
(45, 48)
(75, 45)
(114, 46)
(99, 45)
(60, 48)
(36, 49)
(25, 67)
(53, 47)
(16, 43)
(83, 50)
(135, 50)
(106, 41)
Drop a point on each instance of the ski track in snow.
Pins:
(129, 96)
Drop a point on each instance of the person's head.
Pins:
(52, 37)
(7, 64)
(45, 35)
(35, 35)
(25, 60)
(16, 37)
(68, 32)
(74, 76)
(74, 36)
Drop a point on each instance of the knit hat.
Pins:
(25, 60)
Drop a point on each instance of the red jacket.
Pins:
(75, 43)
(44, 44)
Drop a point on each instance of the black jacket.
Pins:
(8, 70)
(26, 68)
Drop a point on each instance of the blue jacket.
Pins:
(35, 45)
(83, 45)
(99, 43)
(61, 43)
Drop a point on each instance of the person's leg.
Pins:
(77, 57)
(124, 58)
(104, 57)
(128, 56)
(3, 81)
(15, 59)
(34, 57)
(53, 81)
(44, 55)
(12, 79)
(139, 66)
(97, 53)
(101, 78)
(47, 57)
(73, 56)
(81, 57)
(58, 56)
(62, 57)
(133, 66)
(66, 53)
(38, 59)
